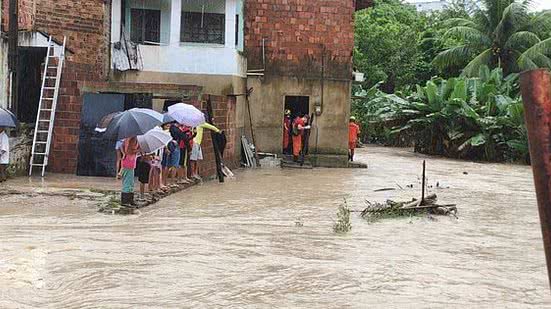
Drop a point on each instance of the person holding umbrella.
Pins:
(130, 150)
(128, 125)
(4, 154)
(7, 120)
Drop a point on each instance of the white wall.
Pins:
(190, 58)
(4, 75)
(240, 10)
(193, 59)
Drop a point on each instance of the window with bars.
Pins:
(203, 28)
(145, 26)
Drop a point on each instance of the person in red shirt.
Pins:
(353, 133)
(287, 132)
(299, 125)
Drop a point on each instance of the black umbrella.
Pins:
(133, 122)
(7, 119)
(105, 121)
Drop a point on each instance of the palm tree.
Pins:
(500, 33)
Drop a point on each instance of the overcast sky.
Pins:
(542, 5)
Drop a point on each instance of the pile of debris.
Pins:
(424, 205)
(391, 209)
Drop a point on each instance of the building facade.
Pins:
(300, 58)
(293, 54)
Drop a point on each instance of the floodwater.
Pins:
(238, 245)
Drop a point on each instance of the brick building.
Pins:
(294, 54)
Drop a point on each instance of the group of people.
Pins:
(177, 162)
(295, 135)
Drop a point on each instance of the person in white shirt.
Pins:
(4, 154)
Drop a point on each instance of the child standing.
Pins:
(130, 149)
(143, 171)
(4, 155)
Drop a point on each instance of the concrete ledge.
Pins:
(334, 161)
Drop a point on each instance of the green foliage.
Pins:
(367, 106)
(476, 118)
(499, 33)
(387, 37)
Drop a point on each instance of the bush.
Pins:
(474, 118)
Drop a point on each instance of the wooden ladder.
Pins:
(49, 93)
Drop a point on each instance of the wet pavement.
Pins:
(238, 244)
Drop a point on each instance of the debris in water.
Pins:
(392, 209)
(384, 189)
(426, 205)
(343, 224)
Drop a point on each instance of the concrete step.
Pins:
(285, 163)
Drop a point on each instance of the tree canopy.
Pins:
(499, 33)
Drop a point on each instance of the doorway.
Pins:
(298, 105)
(29, 82)
(96, 155)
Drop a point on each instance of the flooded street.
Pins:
(238, 244)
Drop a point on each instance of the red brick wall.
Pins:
(82, 22)
(85, 23)
(297, 33)
(224, 119)
(26, 14)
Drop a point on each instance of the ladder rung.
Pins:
(39, 154)
(46, 110)
(49, 88)
(38, 142)
(51, 77)
(43, 120)
(42, 131)
(49, 99)
(52, 67)
(36, 164)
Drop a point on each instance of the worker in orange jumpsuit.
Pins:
(353, 133)
(298, 131)
(287, 132)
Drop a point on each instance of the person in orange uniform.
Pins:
(353, 133)
(298, 132)
(287, 132)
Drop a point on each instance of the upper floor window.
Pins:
(203, 21)
(145, 26)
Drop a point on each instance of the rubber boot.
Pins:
(124, 199)
(131, 202)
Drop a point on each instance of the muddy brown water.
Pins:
(237, 245)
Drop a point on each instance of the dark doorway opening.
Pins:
(31, 60)
(96, 155)
(169, 103)
(298, 105)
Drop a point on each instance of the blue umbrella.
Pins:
(7, 119)
(133, 122)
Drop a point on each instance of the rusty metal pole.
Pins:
(536, 94)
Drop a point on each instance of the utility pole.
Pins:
(13, 53)
(536, 94)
